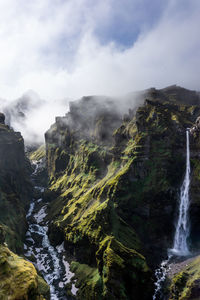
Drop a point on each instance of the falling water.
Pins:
(182, 229)
(180, 247)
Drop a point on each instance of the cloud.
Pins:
(74, 48)
(67, 49)
(32, 116)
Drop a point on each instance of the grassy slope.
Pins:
(185, 285)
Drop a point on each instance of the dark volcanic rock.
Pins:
(2, 118)
(15, 187)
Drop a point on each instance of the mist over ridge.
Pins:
(33, 116)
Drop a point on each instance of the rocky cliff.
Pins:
(114, 183)
(18, 277)
(15, 186)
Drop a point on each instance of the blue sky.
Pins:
(71, 48)
(128, 20)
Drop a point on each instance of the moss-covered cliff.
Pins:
(19, 279)
(114, 183)
(184, 283)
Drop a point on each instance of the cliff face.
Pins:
(114, 188)
(15, 186)
(18, 277)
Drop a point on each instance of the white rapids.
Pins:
(49, 260)
(160, 275)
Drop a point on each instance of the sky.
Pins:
(52, 52)
(70, 48)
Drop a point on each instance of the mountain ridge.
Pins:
(114, 176)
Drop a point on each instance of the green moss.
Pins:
(38, 154)
(185, 285)
(88, 281)
(117, 262)
(196, 168)
(114, 262)
(178, 285)
(19, 279)
(43, 288)
(174, 118)
(12, 218)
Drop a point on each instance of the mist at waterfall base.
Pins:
(180, 245)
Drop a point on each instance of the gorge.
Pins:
(48, 260)
(110, 199)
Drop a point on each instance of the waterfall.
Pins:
(180, 247)
(182, 228)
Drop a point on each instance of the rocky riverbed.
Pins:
(49, 260)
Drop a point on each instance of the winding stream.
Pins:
(49, 260)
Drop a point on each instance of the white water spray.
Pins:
(160, 274)
(182, 229)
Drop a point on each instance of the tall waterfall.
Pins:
(180, 246)
(182, 228)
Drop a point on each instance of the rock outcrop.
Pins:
(185, 280)
(15, 186)
(19, 279)
(2, 118)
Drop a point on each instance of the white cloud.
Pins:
(51, 47)
(56, 47)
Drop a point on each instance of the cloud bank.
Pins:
(71, 48)
(74, 48)
(32, 116)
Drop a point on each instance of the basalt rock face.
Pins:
(15, 186)
(18, 277)
(2, 118)
(114, 185)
